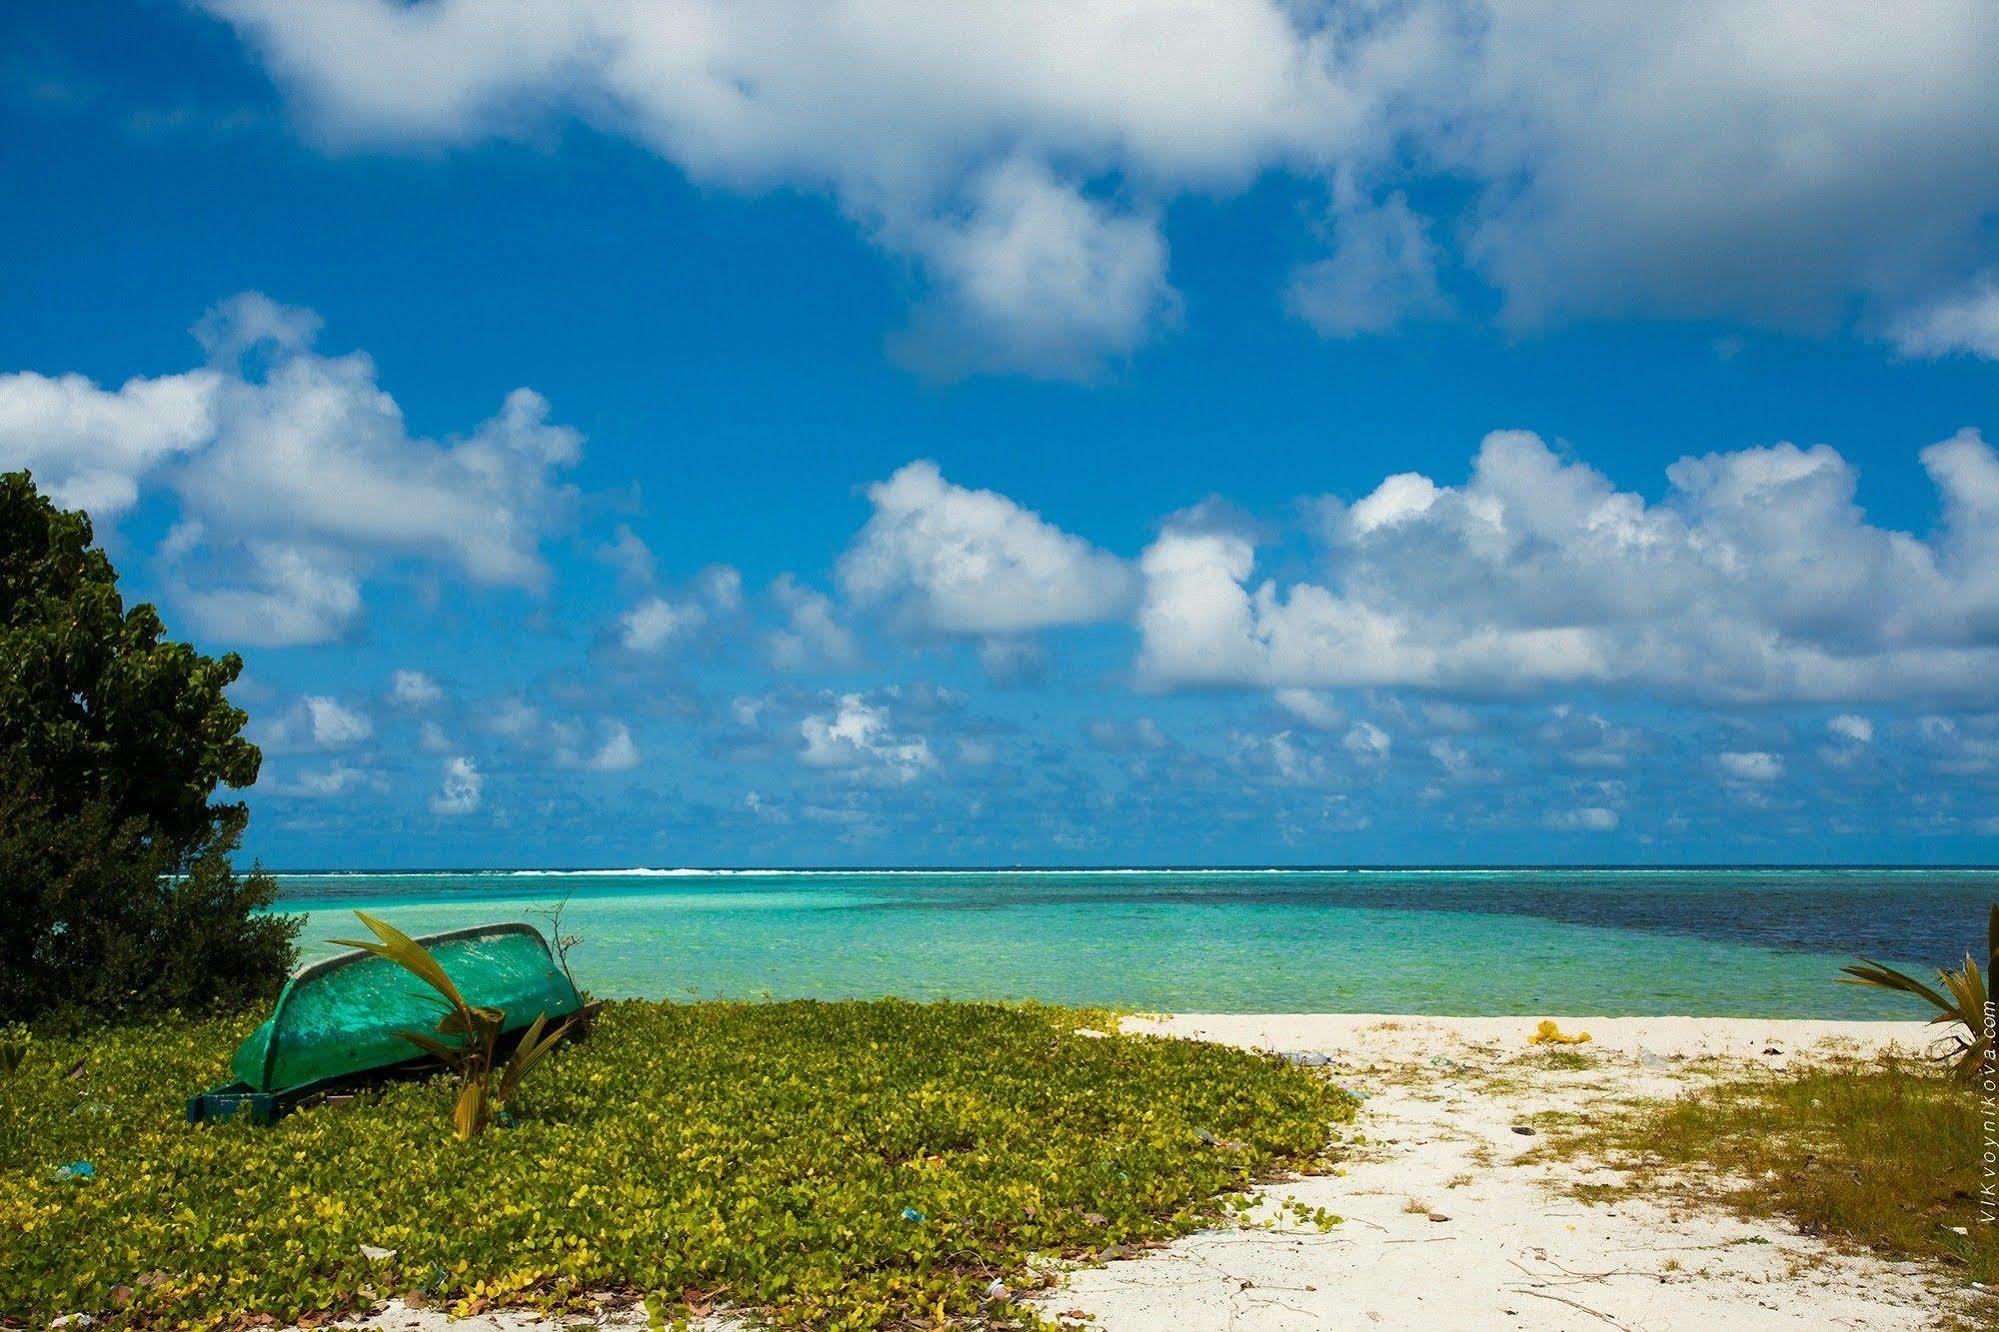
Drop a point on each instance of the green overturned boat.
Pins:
(336, 1020)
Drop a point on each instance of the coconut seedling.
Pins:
(1962, 1003)
(467, 1037)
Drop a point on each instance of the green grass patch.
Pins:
(1881, 1156)
(826, 1165)
(1565, 1058)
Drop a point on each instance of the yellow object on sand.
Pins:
(1550, 1034)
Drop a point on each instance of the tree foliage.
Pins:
(114, 860)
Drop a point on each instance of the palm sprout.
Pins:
(1963, 1001)
(467, 1037)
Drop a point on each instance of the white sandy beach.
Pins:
(1448, 1227)
(1516, 1250)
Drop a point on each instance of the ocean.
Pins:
(1711, 941)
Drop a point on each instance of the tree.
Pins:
(114, 862)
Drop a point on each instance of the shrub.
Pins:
(114, 865)
(828, 1165)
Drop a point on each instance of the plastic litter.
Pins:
(998, 1291)
(1306, 1058)
(1550, 1034)
(1354, 1092)
(77, 1170)
(374, 1254)
(911, 1214)
(1646, 1059)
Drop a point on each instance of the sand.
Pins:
(1517, 1250)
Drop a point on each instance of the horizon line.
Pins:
(1245, 867)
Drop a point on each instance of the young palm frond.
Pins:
(467, 1037)
(1964, 999)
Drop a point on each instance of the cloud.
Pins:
(1281, 758)
(859, 738)
(334, 726)
(660, 622)
(315, 455)
(1383, 270)
(1751, 765)
(1849, 727)
(1013, 661)
(336, 779)
(266, 594)
(1758, 578)
(973, 563)
(1585, 740)
(1593, 818)
(1960, 746)
(1113, 737)
(1699, 158)
(88, 447)
(657, 621)
(295, 475)
(1314, 710)
(1034, 276)
(1965, 321)
(812, 634)
(314, 722)
(1367, 742)
(414, 690)
(629, 555)
(1780, 163)
(461, 789)
(617, 752)
(962, 139)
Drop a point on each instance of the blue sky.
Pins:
(1406, 433)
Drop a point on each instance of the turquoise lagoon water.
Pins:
(1751, 942)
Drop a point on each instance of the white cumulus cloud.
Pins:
(414, 690)
(617, 751)
(1964, 321)
(1774, 161)
(1751, 765)
(860, 738)
(973, 563)
(335, 726)
(1036, 276)
(657, 623)
(462, 788)
(295, 475)
(1589, 818)
(1367, 742)
(1758, 577)
(88, 447)
(812, 633)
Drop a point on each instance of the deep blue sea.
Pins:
(1752, 942)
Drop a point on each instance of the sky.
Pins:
(701, 433)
